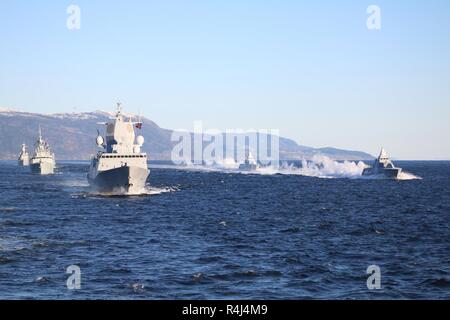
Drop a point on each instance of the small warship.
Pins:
(43, 160)
(382, 166)
(24, 158)
(249, 164)
(121, 166)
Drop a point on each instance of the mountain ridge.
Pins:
(72, 137)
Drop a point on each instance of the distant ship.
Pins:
(24, 158)
(249, 164)
(121, 166)
(43, 160)
(383, 166)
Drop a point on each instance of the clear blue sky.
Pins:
(309, 68)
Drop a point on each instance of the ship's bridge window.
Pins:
(124, 156)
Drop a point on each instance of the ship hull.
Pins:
(248, 167)
(43, 168)
(126, 179)
(24, 163)
(389, 173)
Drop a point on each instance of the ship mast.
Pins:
(40, 135)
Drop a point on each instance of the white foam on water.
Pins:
(224, 164)
(408, 176)
(149, 190)
(227, 165)
(402, 176)
(319, 167)
(75, 183)
(324, 167)
(146, 191)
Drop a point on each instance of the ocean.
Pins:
(294, 233)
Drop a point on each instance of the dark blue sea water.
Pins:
(223, 235)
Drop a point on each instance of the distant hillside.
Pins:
(72, 137)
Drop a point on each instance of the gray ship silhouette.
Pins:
(43, 160)
(120, 166)
(382, 166)
(24, 158)
(250, 164)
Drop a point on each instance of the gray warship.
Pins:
(120, 167)
(250, 164)
(382, 166)
(43, 160)
(24, 158)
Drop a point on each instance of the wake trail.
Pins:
(319, 167)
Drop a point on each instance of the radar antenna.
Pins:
(40, 133)
(119, 107)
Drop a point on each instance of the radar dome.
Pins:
(100, 141)
(140, 140)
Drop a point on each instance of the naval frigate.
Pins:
(24, 158)
(43, 160)
(121, 166)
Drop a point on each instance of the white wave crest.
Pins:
(120, 192)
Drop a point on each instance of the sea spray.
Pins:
(318, 166)
(324, 167)
(224, 164)
(408, 176)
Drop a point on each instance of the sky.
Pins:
(311, 69)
